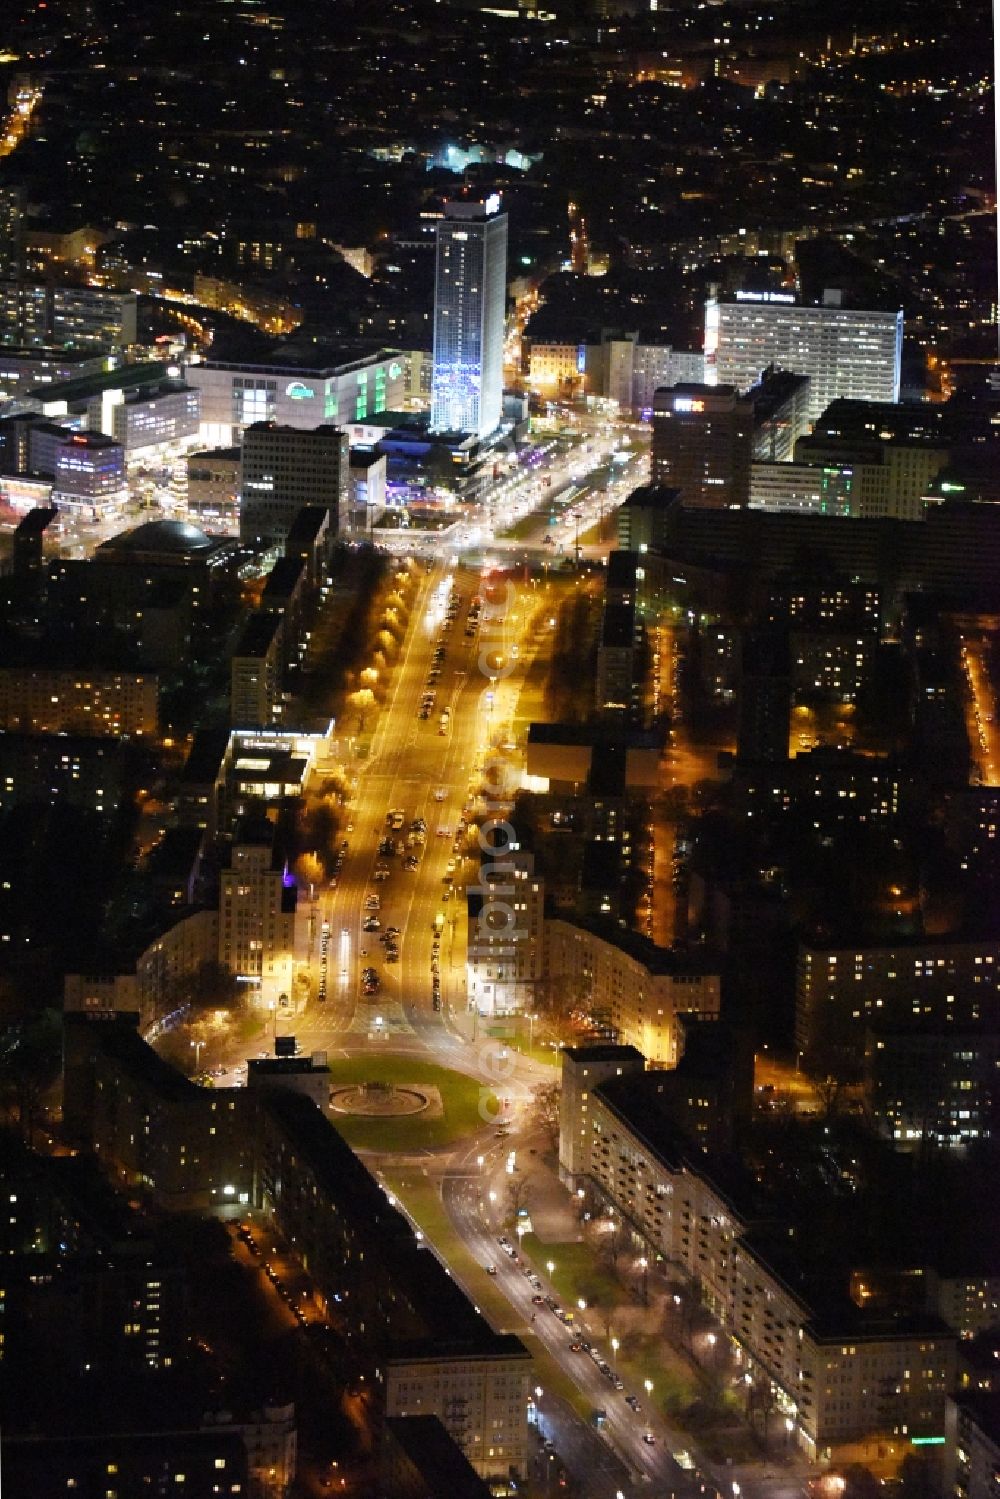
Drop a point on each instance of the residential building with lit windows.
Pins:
(152, 1129)
(286, 468)
(844, 351)
(255, 672)
(972, 1449)
(933, 1083)
(147, 982)
(637, 988)
(470, 305)
(504, 960)
(257, 905)
(61, 700)
(347, 387)
(43, 314)
(841, 990)
(830, 1372)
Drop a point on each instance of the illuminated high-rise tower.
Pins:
(470, 292)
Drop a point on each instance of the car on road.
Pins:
(538, 1300)
(633, 1403)
(372, 902)
(439, 794)
(491, 1269)
(370, 924)
(649, 1439)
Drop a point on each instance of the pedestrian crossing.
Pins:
(386, 1019)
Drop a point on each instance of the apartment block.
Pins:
(504, 961)
(638, 988)
(833, 1374)
(257, 905)
(53, 700)
(840, 990)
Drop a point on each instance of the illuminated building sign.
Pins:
(687, 403)
(296, 391)
(492, 204)
(787, 297)
(395, 370)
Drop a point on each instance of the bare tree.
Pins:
(518, 1193)
(545, 1102)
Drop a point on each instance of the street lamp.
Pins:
(615, 1345)
(581, 1303)
(550, 1266)
(197, 1053)
(644, 1267)
(649, 1386)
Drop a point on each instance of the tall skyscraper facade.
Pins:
(470, 290)
(845, 352)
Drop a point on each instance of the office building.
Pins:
(635, 987)
(804, 488)
(286, 468)
(24, 370)
(326, 386)
(213, 484)
(257, 905)
(658, 365)
(702, 439)
(367, 479)
(843, 351)
(147, 419)
(780, 414)
(470, 292)
(89, 475)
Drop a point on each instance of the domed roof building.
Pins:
(163, 538)
(166, 544)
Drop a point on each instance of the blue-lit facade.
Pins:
(470, 291)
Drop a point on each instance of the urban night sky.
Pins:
(499, 750)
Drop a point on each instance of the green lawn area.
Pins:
(576, 1274)
(642, 1355)
(460, 1096)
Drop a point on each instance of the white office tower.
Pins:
(844, 352)
(470, 293)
